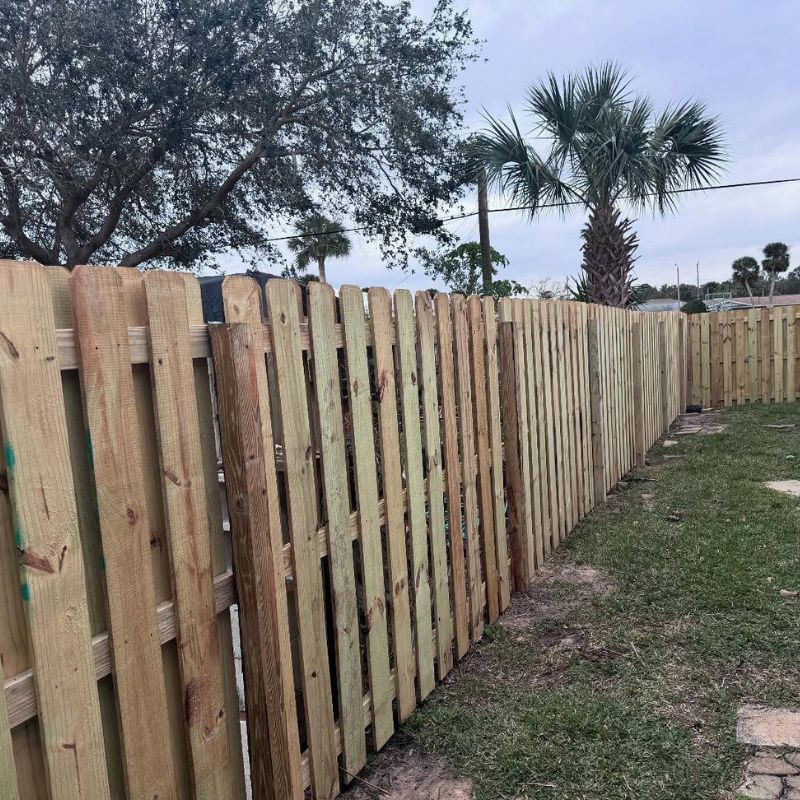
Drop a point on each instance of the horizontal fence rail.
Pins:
(743, 356)
(394, 467)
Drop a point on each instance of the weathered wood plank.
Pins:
(447, 393)
(321, 311)
(188, 534)
(481, 423)
(9, 790)
(415, 489)
(466, 432)
(365, 473)
(269, 686)
(380, 311)
(46, 534)
(301, 494)
(110, 411)
(433, 463)
(496, 445)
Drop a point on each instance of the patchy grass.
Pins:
(630, 690)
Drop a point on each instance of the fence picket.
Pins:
(380, 311)
(355, 347)
(452, 465)
(415, 491)
(116, 459)
(301, 494)
(46, 532)
(468, 466)
(496, 444)
(340, 543)
(484, 477)
(433, 463)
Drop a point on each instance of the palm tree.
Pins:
(746, 272)
(603, 146)
(318, 238)
(776, 260)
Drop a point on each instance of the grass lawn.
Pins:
(626, 686)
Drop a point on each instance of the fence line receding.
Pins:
(394, 468)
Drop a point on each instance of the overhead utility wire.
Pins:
(544, 205)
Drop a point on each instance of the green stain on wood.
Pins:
(26, 593)
(11, 459)
(18, 540)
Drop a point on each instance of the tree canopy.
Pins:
(460, 269)
(597, 145)
(135, 130)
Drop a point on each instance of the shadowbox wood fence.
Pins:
(744, 356)
(393, 470)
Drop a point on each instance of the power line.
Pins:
(506, 209)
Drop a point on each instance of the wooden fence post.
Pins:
(596, 395)
(638, 395)
(258, 559)
(515, 492)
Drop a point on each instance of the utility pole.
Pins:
(698, 281)
(678, 270)
(483, 232)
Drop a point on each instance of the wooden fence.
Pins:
(743, 356)
(392, 474)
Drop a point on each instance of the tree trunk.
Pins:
(608, 249)
(321, 264)
(483, 231)
(772, 277)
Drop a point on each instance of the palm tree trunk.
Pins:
(321, 264)
(772, 277)
(608, 255)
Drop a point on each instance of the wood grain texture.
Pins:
(340, 544)
(9, 789)
(110, 411)
(301, 495)
(46, 534)
(351, 300)
(466, 432)
(447, 394)
(480, 409)
(415, 488)
(380, 311)
(269, 687)
(496, 445)
(188, 535)
(220, 547)
(437, 536)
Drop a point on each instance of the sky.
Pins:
(737, 56)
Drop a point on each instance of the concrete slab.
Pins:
(768, 727)
(785, 487)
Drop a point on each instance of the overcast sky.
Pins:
(738, 56)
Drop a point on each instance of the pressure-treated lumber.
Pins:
(112, 442)
(380, 311)
(47, 537)
(447, 393)
(435, 478)
(301, 494)
(366, 480)
(271, 718)
(496, 449)
(340, 543)
(481, 423)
